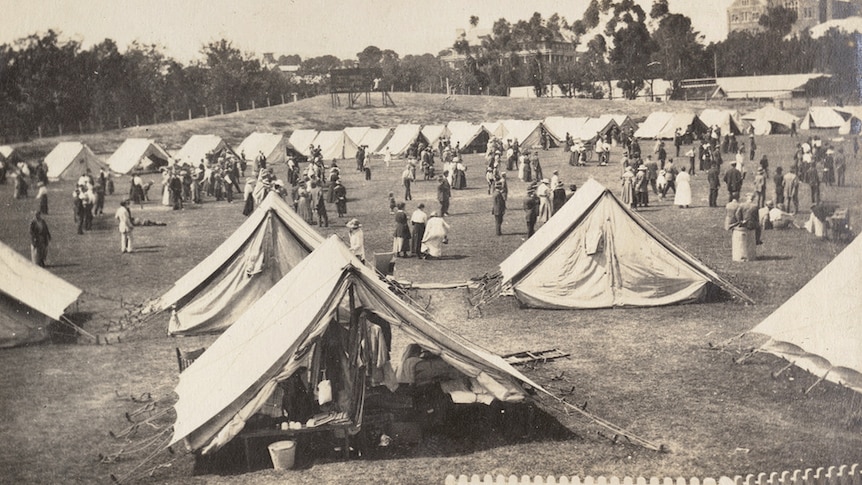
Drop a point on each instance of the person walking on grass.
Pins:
(357, 239)
(124, 217)
(498, 208)
(40, 237)
(418, 220)
(436, 235)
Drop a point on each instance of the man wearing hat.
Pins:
(498, 208)
(733, 180)
(357, 239)
(543, 192)
(418, 220)
(124, 216)
(444, 193)
(531, 210)
(642, 187)
(40, 236)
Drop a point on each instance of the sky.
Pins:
(306, 27)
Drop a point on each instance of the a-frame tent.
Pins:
(822, 117)
(819, 328)
(31, 298)
(433, 133)
(375, 139)
(653, 125)
(356, 133)
(260, 252)
(770, 120)
(403, 136)
(685, 122)
(594, 127)
(138, 154)
(596, 253)
(301, 140)
(335, 145)
(527, 132)
(328, 301)
(624, 122)
(71, 159)
(198, 147)
(558, 126)
(271, 145)
(468, 137)
(727, 120)
(9, 155)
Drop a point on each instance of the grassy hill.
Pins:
(318, 113)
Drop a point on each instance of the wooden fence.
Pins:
(841, 475)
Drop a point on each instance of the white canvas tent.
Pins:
(597, 253)
(818, 329)
(375, 139)
(401, 139)
(271, 145)
(595, 126)
(624, 122)
(71, 159)
(727, 120)
(558, 126)
(296, 320)
(356, 133)
(8, 153)
(654, 124)
(301, 140)
(467, 136)
(527, 132)
(31, 298)
(138, 154)
(255, 257)
(198, 146)
(494, 128)
(433, 133)
(822, 117)
(335, 145)
(853, 123)
(770, 120)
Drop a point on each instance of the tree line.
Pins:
(48, 85)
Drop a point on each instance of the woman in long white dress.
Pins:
(436, 235)
(682, 196)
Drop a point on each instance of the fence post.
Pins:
(119, 122)
(190, 113)
(206, 112)
(252, 104)
(267, 102)
(237, 106)
(60, 129)
(294, 96)
(282, 98)
(80, 127)
(221, 108)
(172, 116)
(137, 120)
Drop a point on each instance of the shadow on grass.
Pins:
(459, 430)
(62, 265)
(62, 333)
(776, 257)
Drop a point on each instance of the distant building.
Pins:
(744, 15)
(775, 87)
(557, 51)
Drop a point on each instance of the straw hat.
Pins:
(353, 224)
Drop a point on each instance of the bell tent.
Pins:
(597, 253)
(328, 316)
(71, 159)
(271, 145)
(138, 154)
(260, 252)
(31, 298)
(818, 328)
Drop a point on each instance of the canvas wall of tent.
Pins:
(335, 145)
(402, 137)
(31, 298)
(300, 141)
(663, 125)
(818, 329)
(728, 121)
(596, 253)
(559, 126)
(71, 159)
(770, 120)
(527, 132)
(199, 147)
(331, 319)
(138, 154)
(823, 118)
(469, 137)
(273, 146)
(375, 139)
(255, 257)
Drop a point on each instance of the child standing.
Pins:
(392, 203)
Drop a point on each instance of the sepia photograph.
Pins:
(592, 242)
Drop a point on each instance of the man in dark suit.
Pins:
(498, 209)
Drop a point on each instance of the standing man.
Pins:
(733, 179)
(840, 167)
(40, 236)
(498, 209)
(531, 211)
(813, 178)
(791, 190)
(444, 193)
(124, 216)
(714, 184)
(406, 180)
(418, 220)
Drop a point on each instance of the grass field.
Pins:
(648, 370)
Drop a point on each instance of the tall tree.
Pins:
(778, 19)
(370, 57)
(632, 46)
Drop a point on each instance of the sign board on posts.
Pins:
(355, 80)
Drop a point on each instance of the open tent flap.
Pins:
(301, 141)
(403, 137)
(271, 145)
(278, 336)
(375, 139)
(138, 153)
(71, 159)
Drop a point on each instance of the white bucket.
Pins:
(283, 454)
(743, 245)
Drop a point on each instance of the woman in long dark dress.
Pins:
(401, 241)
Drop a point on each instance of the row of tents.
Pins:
(276, 288)
(68, 160)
